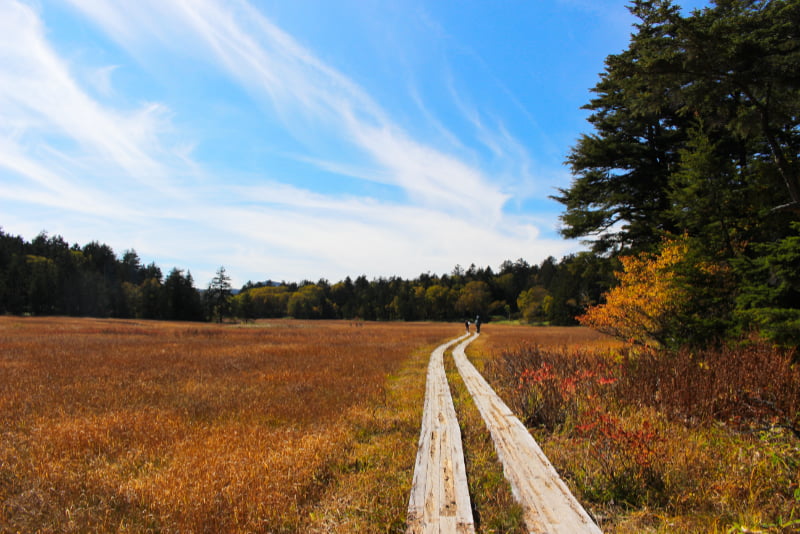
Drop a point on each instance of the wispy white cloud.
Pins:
(273, 66)
(45, 106)
(129, 171)
(101, 79)
(409, 238)
(437, 125)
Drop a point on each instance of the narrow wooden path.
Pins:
(439, 500)
(549, 506)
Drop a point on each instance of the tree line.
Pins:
(553, 292)
(48, 276)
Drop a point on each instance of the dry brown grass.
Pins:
(138, 426)
(664, 442)
(509, 337)
(371, 482)
(290, 426)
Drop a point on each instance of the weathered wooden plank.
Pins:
(548, 504)
(439, 501)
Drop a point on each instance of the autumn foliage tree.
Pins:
(660, 296)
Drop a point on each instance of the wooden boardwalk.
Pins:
(549, 506)
(439, 500)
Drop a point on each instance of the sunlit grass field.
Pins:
(175, 427)
(295, 426)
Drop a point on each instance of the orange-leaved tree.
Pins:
(651, 294)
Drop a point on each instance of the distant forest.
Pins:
(48, 276)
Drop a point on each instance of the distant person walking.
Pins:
(466, 324)
(478, 324)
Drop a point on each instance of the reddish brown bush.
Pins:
(696, 439)
(749, 386)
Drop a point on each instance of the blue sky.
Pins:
(301, 139)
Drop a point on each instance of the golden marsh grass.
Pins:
(172, 427)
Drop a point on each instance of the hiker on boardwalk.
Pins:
(466, 324)
(477, 324)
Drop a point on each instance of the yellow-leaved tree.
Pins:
(650, 296)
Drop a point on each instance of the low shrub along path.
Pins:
(439, 500)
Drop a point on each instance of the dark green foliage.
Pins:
(49, 277)
(576, 281)
(181, 300)
(696, 129)
(770, 294)
(619, 196)
(218, 296)
(697, 132)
